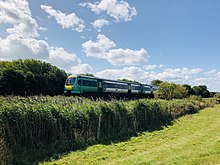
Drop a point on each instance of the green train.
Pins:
(94, 86)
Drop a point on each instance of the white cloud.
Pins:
(152, 67)
(81, 68)
(132, 73)
(119, 10)
(17, 12)
(21, 39)
(99, 23)
(14, 47)
(211, 72)
(65, 20)
(99, 48)
(59, 57)
(103, 48)
(67, 61)
(127, 56)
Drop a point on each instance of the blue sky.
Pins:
(170, 40)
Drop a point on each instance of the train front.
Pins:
(69, 85)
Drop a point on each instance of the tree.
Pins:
(30, 77)
(170, 91)
(156, 82)
(189, 89)
(201, 90)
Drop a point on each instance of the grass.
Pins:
(192, 139)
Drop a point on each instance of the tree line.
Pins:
(30, 77)
(171, 90)
(35, 77)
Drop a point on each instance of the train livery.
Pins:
(88, 85)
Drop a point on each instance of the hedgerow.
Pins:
(32, 128)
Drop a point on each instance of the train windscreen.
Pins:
(70, 81)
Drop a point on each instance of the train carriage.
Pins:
(84, 85)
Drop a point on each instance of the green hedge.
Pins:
(36, 127)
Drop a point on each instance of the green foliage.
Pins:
(30, 77)
(217, 97)
(201, 90)
(87, 74)
(189, 89)
(191, 140)
(170, 91)
(156, 82)
(35, 127)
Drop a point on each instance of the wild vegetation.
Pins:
(30, 77)
(32, 128)
(192, 139)
(171, 90)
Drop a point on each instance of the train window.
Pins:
(70, 81)
(94, 84)
(136, 87)
(89, 83)
(120, 86)
(109, 85)
(147, 88)
(79, 82)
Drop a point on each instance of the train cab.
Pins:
(69, 85)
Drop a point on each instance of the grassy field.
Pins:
(192, 139)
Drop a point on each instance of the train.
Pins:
(93, 86)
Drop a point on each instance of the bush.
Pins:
(170, 91)
(217, 97)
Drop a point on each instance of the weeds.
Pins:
(32, 128)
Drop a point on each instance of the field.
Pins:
(192, 139)
(36, 128)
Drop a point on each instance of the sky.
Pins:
(170, 40)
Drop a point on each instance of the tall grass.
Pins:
(35, 127)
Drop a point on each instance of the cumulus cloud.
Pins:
(179, 73)
(99, 23)
(119, 10)
(132, 73)
(67, 61)
(152, 67)
(21, 39)
(81, 68)
(99, 48)
(65, 20)
(127, 56)
(17, 13)
(15, 46)
(103, 48)
(59, 57)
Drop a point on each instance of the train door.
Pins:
(100, 87)
(129, 88)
